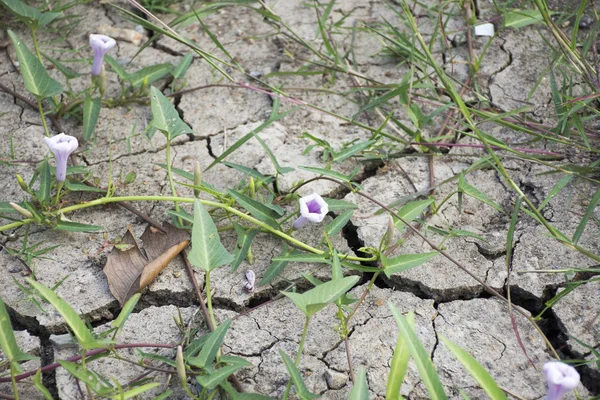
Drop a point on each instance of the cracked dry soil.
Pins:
(446, 300)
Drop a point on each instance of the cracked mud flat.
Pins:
(446, 300)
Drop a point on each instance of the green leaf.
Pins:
(136, 391)
(258, 210)
(31, 16)
(66, 71)
(183, 66)
(88, 377)
(213, 379)
(211, 347)
(301, 389)
(319, 297)
(91, 111)
(472, 191)
(165, 117)
(147, 75)
(280, 170)
(37, 382)
(77, 227)
(589, 211)
(360, 389)
(81, 332)
(425, 366)
(339, 205)
(182, 214)
(399, 365)
(331, 173)
(275, 267)
(479, 373)
(35, 76)
(8, 343)
(248, 171)
(411, 211)
(520, 18)
(80, 187)
(43, 193)
(242, 245)
(207, 251)
(118, 68)
(404, 262)
(348, 152)
(335, 226)
(125, 313)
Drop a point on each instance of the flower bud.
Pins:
(21, 210)
(389, 234)
(197, 179)
(22, 183)
(180, 366)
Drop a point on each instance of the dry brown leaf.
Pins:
(129, 271)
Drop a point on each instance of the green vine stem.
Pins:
(13, 373)
(43, 117)
(249, 218)
(171, 183)
(209, 301)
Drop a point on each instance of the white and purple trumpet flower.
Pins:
(312, 208)
(62, 146)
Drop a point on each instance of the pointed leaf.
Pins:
(404, 262)
(79, 329)
(37, 382)
(242, 245)
(8, 343)
(275, 268)
(91, 111)
(258, 210)
(351, 151)
(297, 256)
(319, 297)
(125, 313)
(360, 389)
(339, 205)
(479, 373)
(301, 389)
(86, 376)
(183, 66)
(45, 182)
(411, 211)
(217, 376)
(165, 117)
(211, 347)
(66, 71)
(118, 68)
(425, 366)
(147, 75)
(136, 391)
(207, 252)
(70, 226)
(35, 76)
(336, 226)
(589, 211)
(398, 365)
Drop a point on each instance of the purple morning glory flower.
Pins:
(561, 378)
(312, 208)
(62, 146)
(101, 44)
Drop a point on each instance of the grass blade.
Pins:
(425, 366)
(482, 377)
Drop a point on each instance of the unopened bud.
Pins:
(22, 183)
(180, 366)
(21, 210)
(252, 188)
(389, 235)
(197, 179)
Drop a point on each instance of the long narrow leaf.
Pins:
(399, 365)
(79, 329)
(482, 377)
(425, 366)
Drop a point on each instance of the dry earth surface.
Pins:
(446, 300)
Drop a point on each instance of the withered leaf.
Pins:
(129, 270)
